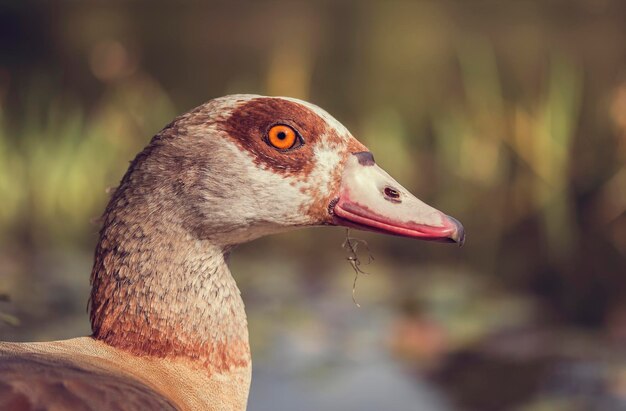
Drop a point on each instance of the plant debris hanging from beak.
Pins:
(351, 244)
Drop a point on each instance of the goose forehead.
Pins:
(330, 120)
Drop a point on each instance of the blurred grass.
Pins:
(57, 162)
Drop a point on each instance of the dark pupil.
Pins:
(281, 135)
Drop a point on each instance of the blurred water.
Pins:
(347, 368)
(378, 386)
(372, 384)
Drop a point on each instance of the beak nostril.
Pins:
(392, 194)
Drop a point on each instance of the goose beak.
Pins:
(370, 199)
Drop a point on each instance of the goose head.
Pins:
(245, 166)
(232, 170)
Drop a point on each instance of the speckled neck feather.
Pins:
(192, 311)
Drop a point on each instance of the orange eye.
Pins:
(282, 137)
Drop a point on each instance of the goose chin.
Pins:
(370, 199)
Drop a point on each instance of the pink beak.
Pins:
(370, 199)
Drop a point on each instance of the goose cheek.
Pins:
(370, 199)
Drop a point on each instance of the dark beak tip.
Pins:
(459, 233)
(461, 240)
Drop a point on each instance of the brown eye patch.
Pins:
(250, 124)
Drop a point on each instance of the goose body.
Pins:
(169, 325)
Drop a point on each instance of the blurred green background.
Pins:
(510, 116)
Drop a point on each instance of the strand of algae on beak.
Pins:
(351, 244)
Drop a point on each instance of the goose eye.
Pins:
(282, 137)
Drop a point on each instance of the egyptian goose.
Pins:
(169, 326)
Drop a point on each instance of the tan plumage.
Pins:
(86, 374)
